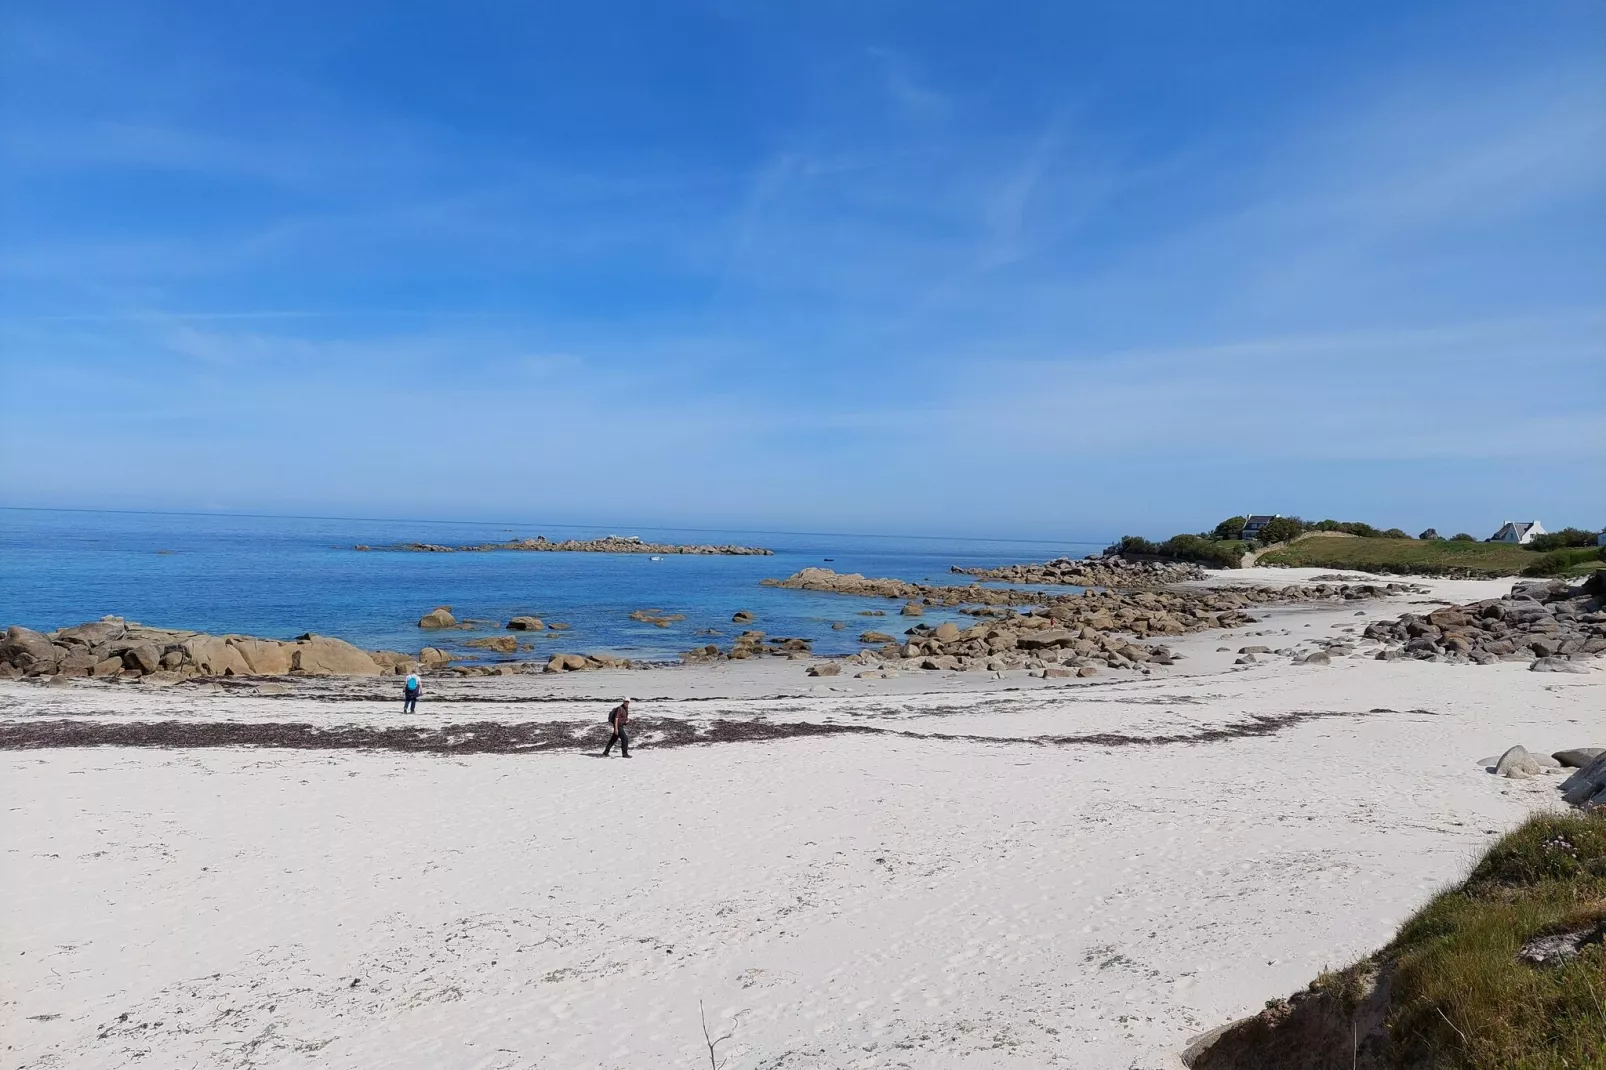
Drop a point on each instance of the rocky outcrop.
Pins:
(1042, 631)
(1091, 572)
(657, 617)
(501, 644)
(112, 647)
(750, 644)
(1143, 613)
(611, 544)
(526, 624)
(1553, 626)
(320, 655)
(559, 663)
(30, 652)
(1587, 786)
(439, 617)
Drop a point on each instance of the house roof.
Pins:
(1260, 520)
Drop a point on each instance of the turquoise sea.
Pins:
(278, 577)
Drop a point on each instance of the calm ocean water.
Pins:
(278, 577)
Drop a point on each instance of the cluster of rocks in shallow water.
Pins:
(1091, 572)
(612, 544)
(1551, 625)
(1059, 635)
(750, 644)
(1143, 613)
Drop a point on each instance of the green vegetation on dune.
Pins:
(1435, 557)
(1463, 997)
(1196, 548)
(1468, 983)
(1402, 555)
(1351, 544)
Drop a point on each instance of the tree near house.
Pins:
(1230, 528)
(1281, 529)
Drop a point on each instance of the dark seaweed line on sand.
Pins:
(491, 737)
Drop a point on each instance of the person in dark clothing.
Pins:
(410, 694)
(618, 717)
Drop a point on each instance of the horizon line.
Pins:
(661, 527)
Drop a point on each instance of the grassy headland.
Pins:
(1414, 556)
(1336, 544)
(1431, 557)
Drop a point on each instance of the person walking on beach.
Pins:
(410, 694)
(618, 717)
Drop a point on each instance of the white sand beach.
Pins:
(973, 885)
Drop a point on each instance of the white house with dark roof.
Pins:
(1253, 525)
(1518, 532)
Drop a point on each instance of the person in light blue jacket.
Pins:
(410, 694)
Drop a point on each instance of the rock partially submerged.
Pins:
(501, 644)
(560, 663)
(439, 617)
(610, 544)
(750, 644)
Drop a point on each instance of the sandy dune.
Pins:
(973, 885)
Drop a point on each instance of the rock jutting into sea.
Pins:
(114, 648)
(1061, 634)
(611, 544)
(1091, 572)
(1550, 624)
(1170, 612)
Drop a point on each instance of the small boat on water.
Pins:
(655, 557)
(830, 559)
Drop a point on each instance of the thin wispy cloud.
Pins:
(966, 250)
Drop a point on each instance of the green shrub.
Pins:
(1230, 529)
(1132, 544)
(1348, 527)
(1566, 538)
(1194, 548)
(1462, 537)
(1216, 554)
(1393, 533)
(1557, 562)
(1281, 529)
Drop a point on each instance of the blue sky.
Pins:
(995, 268)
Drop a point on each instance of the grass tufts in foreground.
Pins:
(1462, 997)
(1452, 991)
